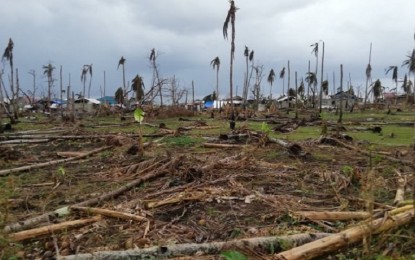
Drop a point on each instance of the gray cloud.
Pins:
(188, 34)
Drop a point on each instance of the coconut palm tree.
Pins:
(271, 77)
(315, 52)
(410, 63)
(138, 88)
(311, 79)
(377, 89)
(8, 55)
(230, 17)
(215, 63)
(245, 90)
(86, 69)
(322, 72)
(119, 96)
(301, 88)
(282, 76)
(325, 87)
(122, 63)
(394, 70)
(48, 71)
(368, 75)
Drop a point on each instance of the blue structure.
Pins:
(107, 100)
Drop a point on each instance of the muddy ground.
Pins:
(196, 194)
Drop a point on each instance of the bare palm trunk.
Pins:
(61, 88)
(288, 83)
(217, 86)
(309, 83)
(296, 96)
(341, 95)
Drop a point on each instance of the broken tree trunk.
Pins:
(352, 235)
(46, 164)
(54, 214)
(50, 229)
(158, 252)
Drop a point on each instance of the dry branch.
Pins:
(158, 252)
(46, 164)
(52, 215)
(344, 238)
(32, 233)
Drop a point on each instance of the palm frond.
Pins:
(271, 76)
(229, 16)
(121, 62)
(282, 73)
(246, 51)
(368, 71)
(215, 63)
(251, 55)
(152, 55)
(315, 48)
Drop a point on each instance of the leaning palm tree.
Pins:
(48, 71)
(394, 70)
(282, 76)
(8, 55)
(215, 63)
(271, 77)
(137, 85)
(230, 17)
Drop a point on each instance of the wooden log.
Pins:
(349, 236)
(114, 214)
(46, 164)
(109, 213)
(50, 229)
(162, 252)
(327, 215)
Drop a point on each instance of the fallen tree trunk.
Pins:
(25, 141)
(50, 229)
(54, 214)
(157, 252)
(213, 145)
(46, 164)
(349, 236)
(326, 215)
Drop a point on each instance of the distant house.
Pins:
(286, 101)
(91, 104)
(348, 100)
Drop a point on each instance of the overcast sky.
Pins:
(187, 35)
